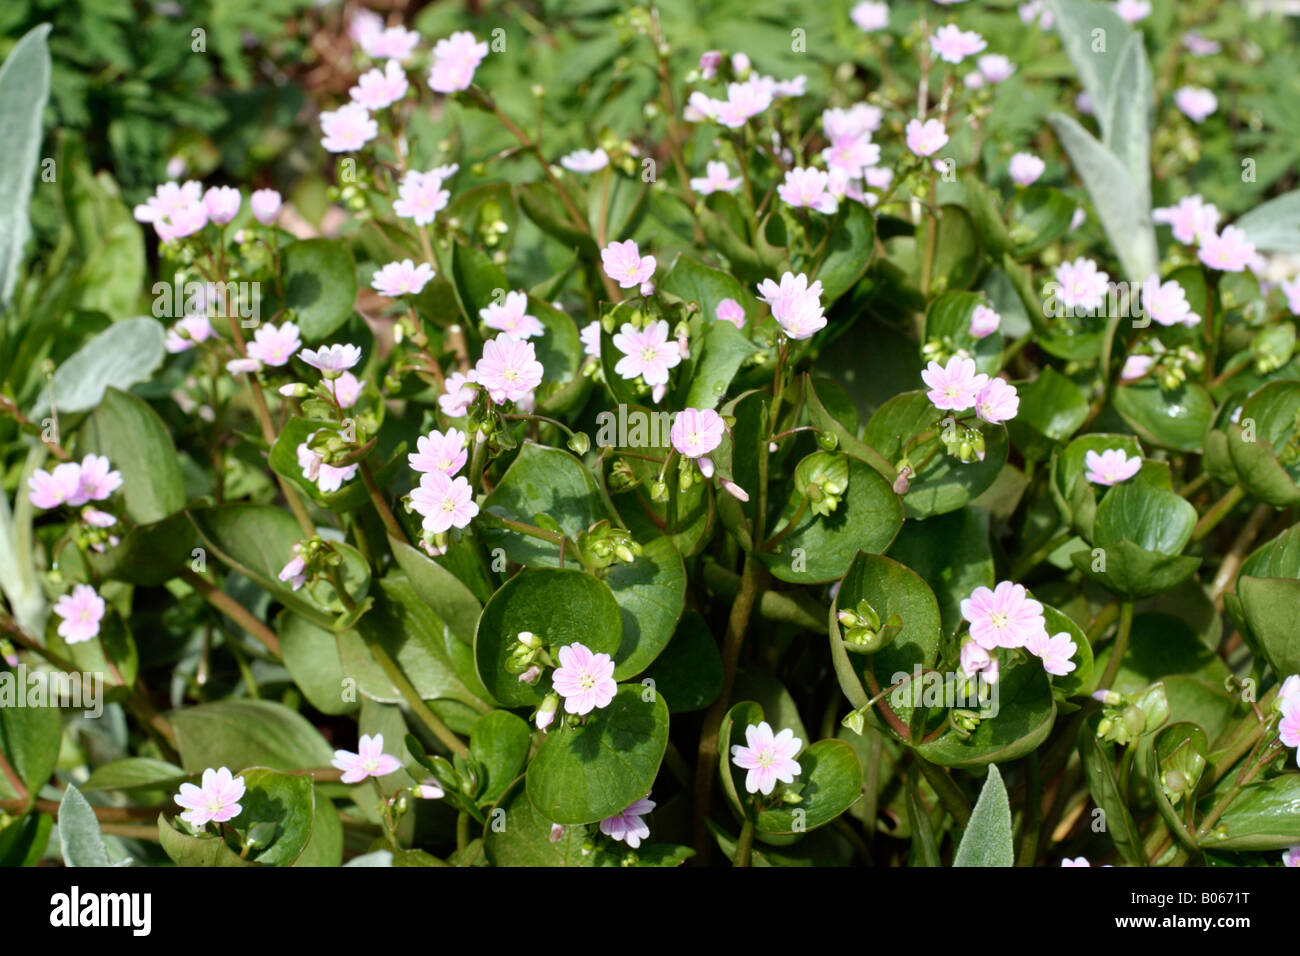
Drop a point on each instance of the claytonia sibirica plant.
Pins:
(847, 439)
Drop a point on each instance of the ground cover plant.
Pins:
(594, 434)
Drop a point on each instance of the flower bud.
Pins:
(529, 639)
(546, 713)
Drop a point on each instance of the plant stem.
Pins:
(1218, 512)
(946, 789)
(1120, 647)
(228, 606)
(745, 845)
(413, 699)
(390, 522)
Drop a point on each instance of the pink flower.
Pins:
(695, 433)
(1195, 102)
(509, 369)
(729, 310)
(51, 489)
(187, 333)
(795, 304)
(1081, 284)
(81, 611)
(585, 680)
(648, 352)
(443, 502)
(744, 100)
(1025, 168)
(1136, 366)
(421, 196)
(402, 278)
(1291, 290)
(243, 366)
(294, 572)
(1111, 467)
(96, 518)
(347, 128)
(396, 43)
(976, 659)
(95, 481)
(333, 360)
(1055, 652)
(458, 396)
(1288, 730)
(377, 89)
(511, 316)
(710, 60)
(370, 761)
(995, 67)
(627, 826)
(952, 44)
(590, 336)
(1003, 617)
(1229, 251)
(997, 402)
(1291, 856)
(328, 478)
(849, 155)
(718, 179)
(1132, 11)
(861, 119)
(734, 490)
(625, 265)
(454, 61)
(174, 210)
(585, 160)
(870, 17)
(215, 802)
(275, 346)
(806, 188)
(1198, 45)
(1191, 217)
(1167, 303)
(439, 452)
(984, 321)
(265, 204)
(222, 204)
(955, 386)
(1077, 861)
(1083, 103)
(1290, 688)
(925, 139)
(768, 758)
(1036, 10)
(346, 389)
(430, 790)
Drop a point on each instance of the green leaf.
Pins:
(1052, 408)
(123, 354)
(988, 839)
(186, 850)
(890, 588)
(1039, 215)
(1132, 572)
(651, 595)
(1152, 518)
(79, 838)
(311, 655)
(1122, 205)
(586, 773)
(715, 361)
(957, 250)
(500, 742)
(524, 839)
(320, 285)
(24, 89)
(561, 607)
(945, 484)
(135, 773)
(1262, 817)
(286, 805)
(951, 554)
(29, 738)
(830, 777)
(245, 733)
(948, 318)
(1098, 765)
(1075, 496)
(546, 481)
(822, 546)
(1177, 419)
(689, 670)
(451, 600)
(1274, 226)
(258, 540)
(149, 554)
(23, 842)
(1270, 608)
(848, 252)
(126, 430)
